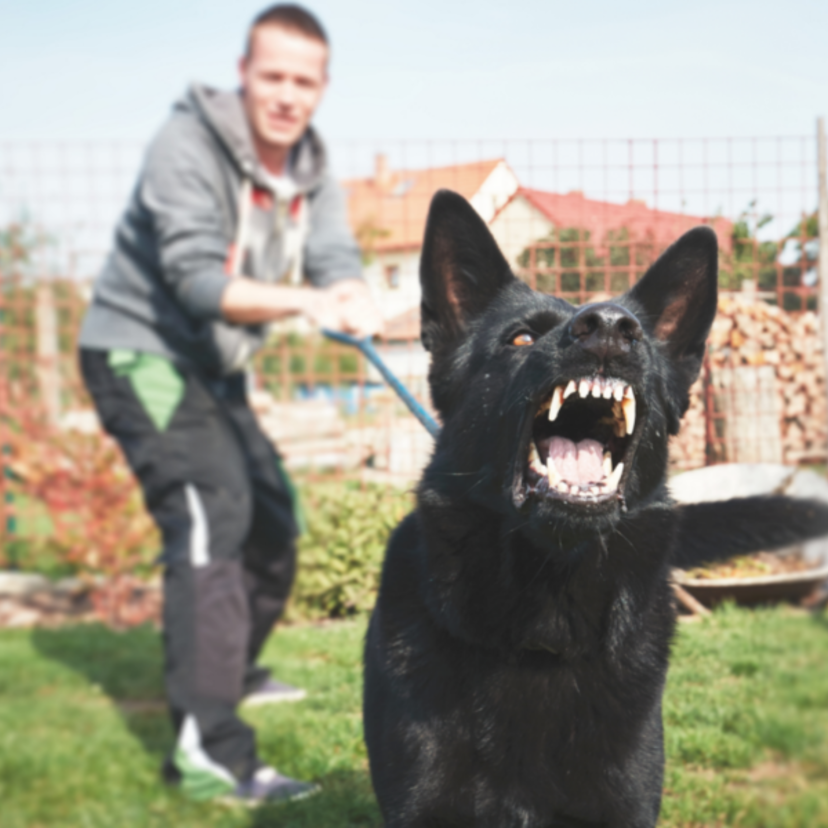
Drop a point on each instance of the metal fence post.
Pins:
(822, 156)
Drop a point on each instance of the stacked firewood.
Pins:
(755, 334)
(688, 450)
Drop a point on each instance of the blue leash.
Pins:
(366, 346)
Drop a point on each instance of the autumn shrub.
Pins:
(98, 525)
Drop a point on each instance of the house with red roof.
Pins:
(532, 215)
(388, 211)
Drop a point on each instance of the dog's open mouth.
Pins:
(581, 441)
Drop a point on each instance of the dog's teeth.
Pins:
(570, 389)
(607, 464)
(552, 475)
(583, 388)
(628, 406)
(615, 477)
(608, 386)
(574, 489)
(618, 391)
(593, 490)
(597, 388)
(562, 487)
(557, 402)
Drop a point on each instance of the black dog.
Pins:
(516, 658)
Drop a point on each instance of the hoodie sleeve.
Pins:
(188, 218)
(331, 252)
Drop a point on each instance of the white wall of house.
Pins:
(394, 294)
(517, 226)
(495, 191)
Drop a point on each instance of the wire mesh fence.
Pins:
(580, 219)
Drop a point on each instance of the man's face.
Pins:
(283, 80)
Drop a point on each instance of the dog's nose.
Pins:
(606, 329)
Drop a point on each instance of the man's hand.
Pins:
(344, 306)
(358, 314)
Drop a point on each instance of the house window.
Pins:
(392, 275)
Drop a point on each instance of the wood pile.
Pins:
(754, 335)
(688, 449)
(307, 433)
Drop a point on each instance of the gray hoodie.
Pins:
(203, 209)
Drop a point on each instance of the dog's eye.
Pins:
(524, 339)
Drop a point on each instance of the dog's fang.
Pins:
(615, 477)
(557, 402)
(628, 406)
(607, 464)
(571, 388)
(583, 388)
(552, 475)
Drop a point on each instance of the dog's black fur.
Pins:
(516, 658)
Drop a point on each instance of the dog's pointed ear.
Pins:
(461, 269)
(676, 299)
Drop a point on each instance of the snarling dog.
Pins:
(516, 658)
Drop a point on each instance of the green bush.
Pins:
(340, 556)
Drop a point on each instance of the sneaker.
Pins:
(267, 785)
(273, 692)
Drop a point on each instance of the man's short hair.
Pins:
(292, 18)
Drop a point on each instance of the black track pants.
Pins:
(213, 485)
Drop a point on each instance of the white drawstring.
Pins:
(242, 228)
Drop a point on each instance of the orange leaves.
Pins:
(98, 520)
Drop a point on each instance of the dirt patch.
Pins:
(28, 600)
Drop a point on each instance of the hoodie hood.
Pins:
(223, 113)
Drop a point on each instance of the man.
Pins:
(233, 205)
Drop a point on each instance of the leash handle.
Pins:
(366, 346)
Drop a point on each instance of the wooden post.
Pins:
(822, 156)
(48, 368)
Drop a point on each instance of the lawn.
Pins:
(83, 728)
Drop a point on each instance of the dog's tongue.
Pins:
(577, 462)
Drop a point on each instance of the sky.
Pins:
(433, 69)
(433, 82)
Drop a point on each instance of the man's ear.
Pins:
(461, 270)
(676, 299)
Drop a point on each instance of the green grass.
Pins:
(83, 728)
